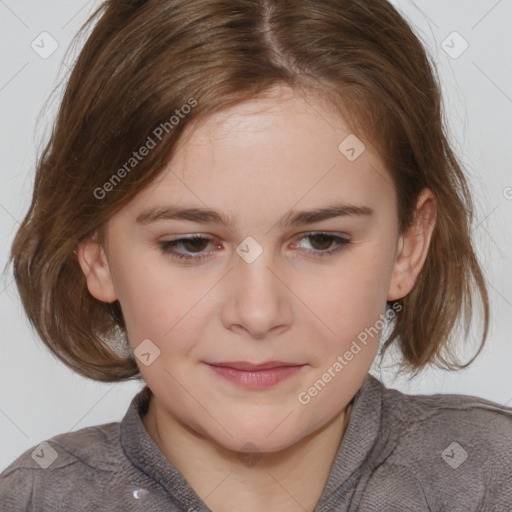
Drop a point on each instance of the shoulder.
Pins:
(63, 461)
(455, 447)
(93, 446)
(478, 422)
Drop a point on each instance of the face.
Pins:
(259, 288)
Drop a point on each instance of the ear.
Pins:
(93, 261)
(413, 247)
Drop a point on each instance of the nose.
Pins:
(257, 298)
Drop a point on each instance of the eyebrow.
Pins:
(292, 218)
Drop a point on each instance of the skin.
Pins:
(256, 162)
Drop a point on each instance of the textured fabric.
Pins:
(403, 453)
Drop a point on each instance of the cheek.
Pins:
(152, 298)
(355, 293)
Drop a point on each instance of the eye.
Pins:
(195, 245)
(325, 241)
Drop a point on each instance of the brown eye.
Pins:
(191, 245)
(194, 244)
(322, 242)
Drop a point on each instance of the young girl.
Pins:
(236, 199)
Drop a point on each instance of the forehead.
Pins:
(278, 151)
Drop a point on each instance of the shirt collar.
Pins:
(360, 438)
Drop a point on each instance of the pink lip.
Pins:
(255, 376)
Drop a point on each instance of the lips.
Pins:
(256, 375)
(253, 367)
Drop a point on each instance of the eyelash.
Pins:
(167, 247)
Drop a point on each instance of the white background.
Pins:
(40, 397)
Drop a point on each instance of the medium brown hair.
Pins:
(145, 60)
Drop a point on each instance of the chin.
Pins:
(257, 439)
(258, 445)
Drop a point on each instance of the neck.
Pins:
(291, 480)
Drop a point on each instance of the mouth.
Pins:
(256, 375)
(254, 367)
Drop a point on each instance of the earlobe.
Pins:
(413, 247)
(93, 261)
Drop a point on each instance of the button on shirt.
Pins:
(400, 453)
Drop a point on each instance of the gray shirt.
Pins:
(403, 453)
